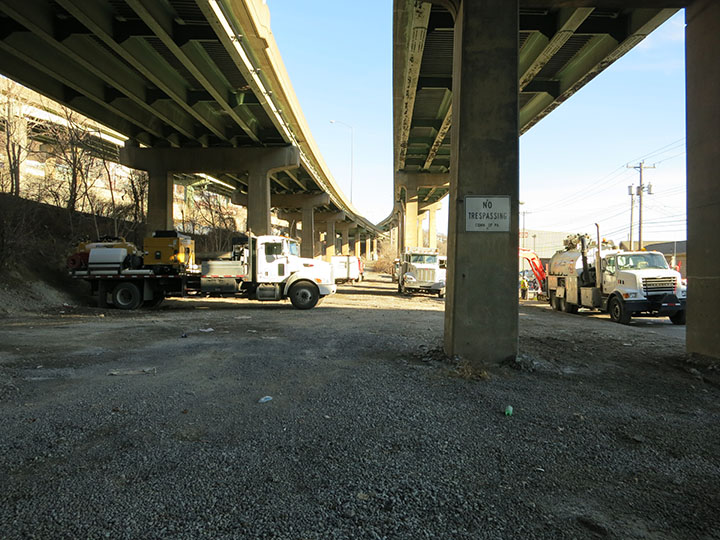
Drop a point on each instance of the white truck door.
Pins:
(272, 261)
(609, 275)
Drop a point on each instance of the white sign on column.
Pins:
(487, 214)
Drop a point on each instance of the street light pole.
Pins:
(352, 145)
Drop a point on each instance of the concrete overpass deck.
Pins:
(180, 76)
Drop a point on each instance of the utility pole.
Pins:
(631, 192)
(640, 189)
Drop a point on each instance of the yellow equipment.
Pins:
(169, 248)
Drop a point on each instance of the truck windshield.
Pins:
(294, 248)
(638, 261)
(423, 259)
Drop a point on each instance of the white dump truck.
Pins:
(420, 272)
(628, 284)
(258, 268)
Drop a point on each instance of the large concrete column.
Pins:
(374, 252)
(160, 201)
(432, 228)
(258, 207)
(307, 245)
(356, 242)
(344, 229)
(368, 246)
(330, 237)
(420, 231)
(703, 187)
(481, 318)
(411, 215)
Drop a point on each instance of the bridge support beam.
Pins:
(481, 317)
(259, 163)
(703, 193)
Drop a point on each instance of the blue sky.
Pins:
(573, 163)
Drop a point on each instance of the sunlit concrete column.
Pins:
(411, 215)
(344, 230)
(160, 201)
(420, 231)
(481, 322)
(368, 247)
(703, 186)
(432, 228)
(329, 240)
(374, 252)
(308, 232)
(356, 242)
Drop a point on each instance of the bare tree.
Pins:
(15, 134)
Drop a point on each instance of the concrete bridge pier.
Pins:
(344, 230)
(703, 189)
(259, 163)
(411, 222)
(356, 242)
(481, 317)
(420, 233)
(160, 201)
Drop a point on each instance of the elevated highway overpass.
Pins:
(196, 87)
(470, 77)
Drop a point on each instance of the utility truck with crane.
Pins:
(625, 284)
(258, 267)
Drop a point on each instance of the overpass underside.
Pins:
(470, 77)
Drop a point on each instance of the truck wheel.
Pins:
(559, 303)
(441, 294)
(127, 296)
(304, 295)
(678, 318)
(570, 308)
(617, 311)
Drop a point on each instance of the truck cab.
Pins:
(641, 282)
(420, 272)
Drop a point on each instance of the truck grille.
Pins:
(661, 285)
(425, 274)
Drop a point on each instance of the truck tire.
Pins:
(127, 295)
(570, 308)
(441, 294)
(617, 311)
(678, 318)
(304, 295)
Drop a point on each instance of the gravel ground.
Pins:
(117, 426)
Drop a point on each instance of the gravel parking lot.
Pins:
(147, 425)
